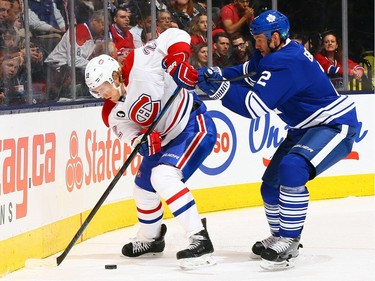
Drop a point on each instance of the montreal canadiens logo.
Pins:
(144, 110)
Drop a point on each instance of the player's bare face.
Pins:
(261, 44)
(107, 91)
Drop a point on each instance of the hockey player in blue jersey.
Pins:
(286, 79)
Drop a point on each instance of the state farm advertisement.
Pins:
(57, 164)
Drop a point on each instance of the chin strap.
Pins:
(120, 92)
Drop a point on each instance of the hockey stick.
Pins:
(248, 75)
(59, 259)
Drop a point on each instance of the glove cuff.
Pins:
(221, 92)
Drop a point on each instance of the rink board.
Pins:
(59, 164)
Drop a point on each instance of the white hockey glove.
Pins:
(149, 147)
(212, 83)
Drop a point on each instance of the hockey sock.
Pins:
(270, 195)
(293, 210)
(166, 180)
(150, 213)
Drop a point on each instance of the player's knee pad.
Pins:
(270, 193)
(294, 170)
(165, 175)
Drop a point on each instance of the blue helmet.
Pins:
(269, 22)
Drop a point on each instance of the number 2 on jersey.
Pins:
(266, 75)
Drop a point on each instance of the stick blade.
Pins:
(41, 263)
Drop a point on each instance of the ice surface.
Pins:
(338, 240)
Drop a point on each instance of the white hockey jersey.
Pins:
(148, 88)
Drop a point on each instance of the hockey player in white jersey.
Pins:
(181, 141)
(286, 79)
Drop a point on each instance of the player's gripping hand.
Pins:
(182, 72)
(212, 83)
(149, 147)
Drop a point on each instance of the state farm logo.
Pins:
(94, 158)
(74, 167)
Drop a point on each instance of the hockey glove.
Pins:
(149, 147)
(212, 83)
(183, 73)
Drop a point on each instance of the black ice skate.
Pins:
(281, 254)
(259, 246)
(198, 253)
(146, 248)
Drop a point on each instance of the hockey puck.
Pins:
(110, 266)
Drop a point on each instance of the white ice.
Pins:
(338, 241)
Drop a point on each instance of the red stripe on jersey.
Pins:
(83, 34)
(128, 65)
(106, 110)
(149, 211)
(177, 195)
(195, 143)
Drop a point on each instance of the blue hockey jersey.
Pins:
(291, 83)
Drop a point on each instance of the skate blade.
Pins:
(275, 266)
(147, 255)
(192, 263)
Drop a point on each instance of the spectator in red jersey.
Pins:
(59, 60)
(330, 58)
(119, 31)
(198, 30)
(236, 17)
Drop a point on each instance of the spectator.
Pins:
(199, 57)
(330, 58)
(5, 7)
(236, 17)
(198, 30)
(119, 31)
(164, 21)
(8, 41)
(241, 50)
(14, 19)
(143, 25)
(11, 81)
(182, 12)
(59, 60)
(45, 17)
(221, 46)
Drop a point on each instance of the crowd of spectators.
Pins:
(129, 26)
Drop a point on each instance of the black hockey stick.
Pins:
(248, 75)
(59, 259)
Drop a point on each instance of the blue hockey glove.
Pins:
(149, 147)
(182, 72)
(212, 83)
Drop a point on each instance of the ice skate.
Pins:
(259, 246)
(281, 254)
(198, 253)
(146, 248)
